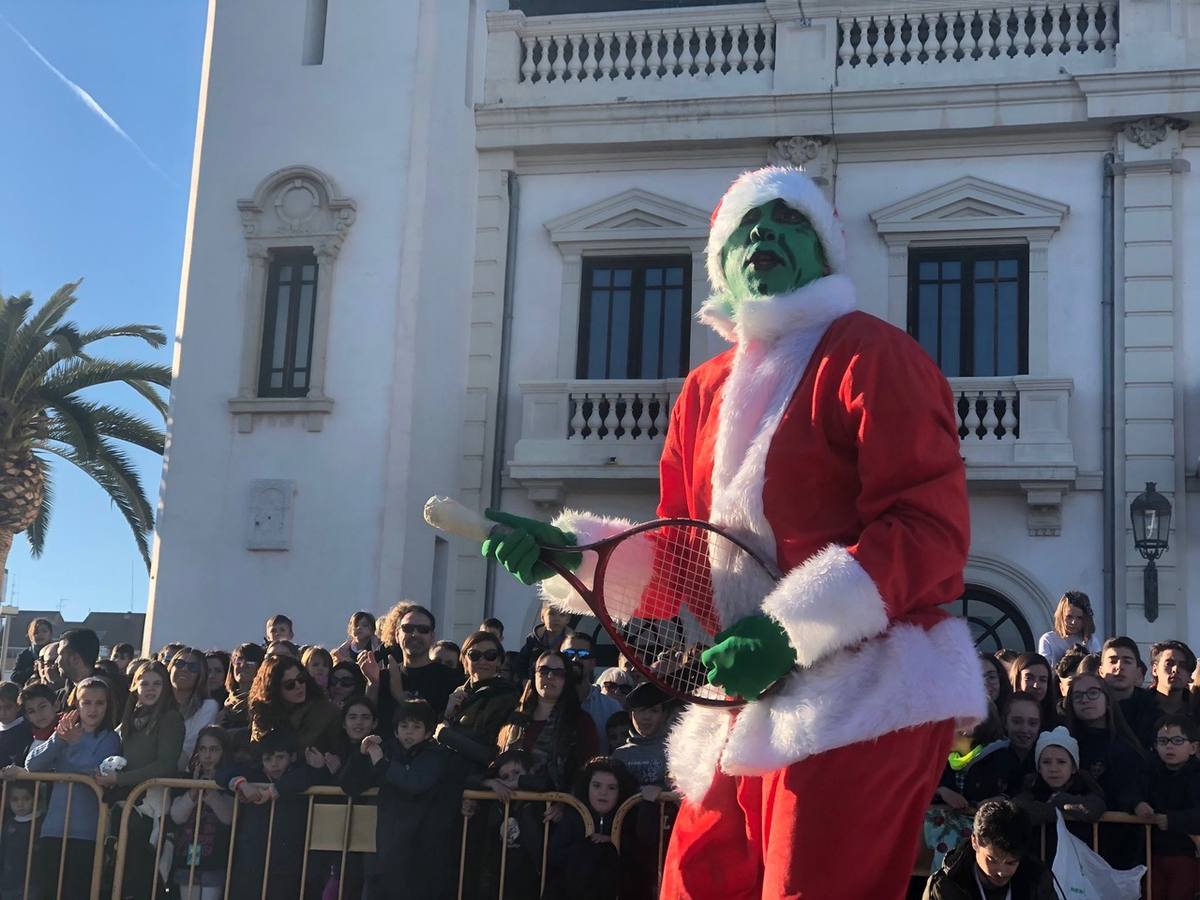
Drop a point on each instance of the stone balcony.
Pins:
(1014, 431)
(858, 68)
(771, 48)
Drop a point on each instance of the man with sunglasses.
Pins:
(410, 673)
(580, 652)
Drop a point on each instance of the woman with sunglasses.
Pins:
(285, 697)
(243, 666)
(550, 724)
(346, 681)
(189, 682)
(478, 710)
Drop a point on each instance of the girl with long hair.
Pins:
(1074, 624)
(83, 738)
(319, 662)
(217, 662)
(1033, 674)
(285, 697)
(550, 724)
(1108, 749)
(243, 666)
(189, 682)
(201, 850)
(995, 680)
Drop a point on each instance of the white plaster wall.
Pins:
(354, 118)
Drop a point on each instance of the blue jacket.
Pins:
(82, 757)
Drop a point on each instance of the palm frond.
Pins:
(151, 334)
(150, 392)
(73, 423)
(32, 336)
(78, 374)
(64, 343)
(12, 313)
(36, 533)
(123, 426)
(112, 470)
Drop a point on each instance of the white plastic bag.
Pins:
(1082, 873)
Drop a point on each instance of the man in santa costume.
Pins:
(827, 440)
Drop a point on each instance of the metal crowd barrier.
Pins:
(344, 827)
(41, 801)
(548, 798)
(619, 820)
(1148, 823)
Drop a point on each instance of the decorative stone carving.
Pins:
(298, 201)
(1152, 130)
(1043, 513)
(269, 519)
(813, 153)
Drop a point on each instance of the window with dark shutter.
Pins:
(969, 308)
(634, 317)
(288, 324)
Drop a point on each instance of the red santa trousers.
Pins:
(841, 824)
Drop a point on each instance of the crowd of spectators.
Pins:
(1080, 728)
(391, 707)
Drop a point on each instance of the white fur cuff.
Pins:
(827, 603)
(588, 529)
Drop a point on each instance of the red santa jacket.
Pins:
(827, 440)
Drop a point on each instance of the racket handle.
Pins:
(447, 514)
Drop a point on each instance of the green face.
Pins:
(774, 250)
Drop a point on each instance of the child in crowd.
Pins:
(20, 829)
(1170, 786)
(278, 628)
(1060, 785)
(1033, 674)
(996, 864)
(82, 739)
(202, 850)
(548, 634)
(1073, 624)
(15, 733)
(965, 781)
(644, 752)
(416, 808)
(269, 792)
(617, 728)
(585, 867)
(521, 832)
(38, 704)
(995, 680)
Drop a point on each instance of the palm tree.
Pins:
(45, 365)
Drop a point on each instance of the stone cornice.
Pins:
(911, 109)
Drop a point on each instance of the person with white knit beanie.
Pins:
(827, 440)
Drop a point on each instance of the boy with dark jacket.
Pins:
(996, 864)
(271, 803)
(15, 733)
(1170, 786)
(415, 811)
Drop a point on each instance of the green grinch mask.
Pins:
(774, 250)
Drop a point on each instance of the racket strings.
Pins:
(676, 615)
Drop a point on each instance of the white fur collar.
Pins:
(814, 305)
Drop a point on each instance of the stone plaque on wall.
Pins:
(269, 523)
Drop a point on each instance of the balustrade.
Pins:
(1001, 34)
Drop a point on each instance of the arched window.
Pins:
(994, 619)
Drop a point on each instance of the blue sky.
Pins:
(78, 200)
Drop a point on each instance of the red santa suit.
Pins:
(826, 439)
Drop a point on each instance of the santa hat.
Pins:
(761, 186)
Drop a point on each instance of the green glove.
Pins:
(749, 657)
(519, 549)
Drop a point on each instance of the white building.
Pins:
(488, 224)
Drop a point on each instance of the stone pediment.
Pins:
(969, 204)
(632, 215)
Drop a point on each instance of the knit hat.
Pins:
(1059, 737)
(760, 186)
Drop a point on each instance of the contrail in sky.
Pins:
(89, 101)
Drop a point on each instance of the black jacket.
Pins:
(476, 725)
(955, 880)
(414, 827)
(1175, 794)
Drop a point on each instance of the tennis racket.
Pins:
(652, 589)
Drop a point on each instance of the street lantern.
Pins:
(1151, 515)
